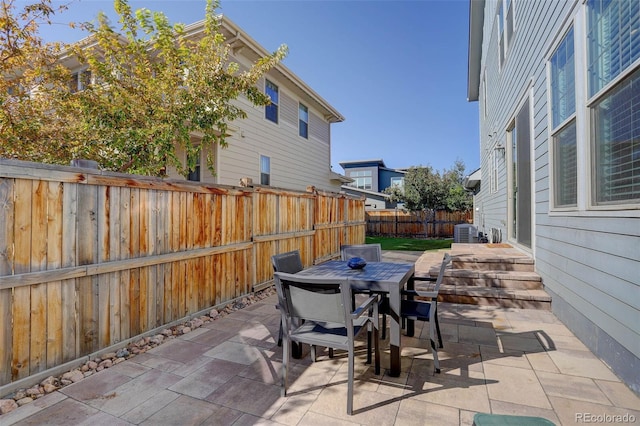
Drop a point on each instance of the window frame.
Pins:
(506, 21)
(557, 129)
(393, 181)
(591, 101)
(265, 174)
(301, 121)
(80, 79)
(273, 106)
(363, 176)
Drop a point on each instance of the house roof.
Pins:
(476, 24)
(377, 161)
(365, 192)
(240, 40)
(473, 180)
(340, 178)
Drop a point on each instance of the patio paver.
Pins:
(495, 360)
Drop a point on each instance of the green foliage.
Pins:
(427, 189)
(408, 244)
(158, 90)
(160, 87)
(28, 128)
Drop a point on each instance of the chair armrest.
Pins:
(371, 301)
(424, 279)
(420, 293)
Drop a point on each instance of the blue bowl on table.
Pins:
(356, 263)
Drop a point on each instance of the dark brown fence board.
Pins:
(424, 224)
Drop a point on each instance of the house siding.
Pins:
(589, 260)
(296, 162)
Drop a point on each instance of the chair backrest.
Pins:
(289, 262)
(446, 260)
(368, 252)
(315, 299)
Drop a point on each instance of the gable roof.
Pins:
(239, 40)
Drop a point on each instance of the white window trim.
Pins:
(308, 114)
(577, 115)
(260, 156)
(264, 115)
(586, 206)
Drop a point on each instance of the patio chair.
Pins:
(370, 253)
(421, 310)
(289, 262)
(325, 306)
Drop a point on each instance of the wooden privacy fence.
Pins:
(89, 260)
(424, 224)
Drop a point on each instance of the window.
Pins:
(265, 170)
(614, 40)
(194, 175)
(493, 160)
(397, 181)
(616, 138)
(362, 179)
(565, 167)
(505, 27)
(613, 47)
(271, 110)
(303, 121)
(501, 40)
(79, 81)
(484, 93)
(563, 108)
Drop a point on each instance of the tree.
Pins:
(427, 189)
(155, 87)
(457, 198)
(32, 86)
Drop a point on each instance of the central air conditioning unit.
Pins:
(465, 233)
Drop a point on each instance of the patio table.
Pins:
(380, 277)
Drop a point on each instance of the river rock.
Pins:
(7, 405)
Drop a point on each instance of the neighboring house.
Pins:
(370, 179)
(372, 200)
(558, 86)
(286, 144)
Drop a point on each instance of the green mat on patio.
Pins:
(482, 419)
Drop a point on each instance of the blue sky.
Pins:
(396, 70)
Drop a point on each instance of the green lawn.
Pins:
(409, 244)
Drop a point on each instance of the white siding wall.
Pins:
(589, 261)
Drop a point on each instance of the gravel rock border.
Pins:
(107, 360)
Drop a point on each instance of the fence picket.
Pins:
(93, 259)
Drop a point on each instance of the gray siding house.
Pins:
(558, 87)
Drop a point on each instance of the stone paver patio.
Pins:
(495, 360)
